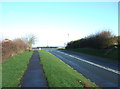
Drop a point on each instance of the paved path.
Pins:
(34, 76)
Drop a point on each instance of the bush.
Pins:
(11, 48)
(118, 40)
(99, 40)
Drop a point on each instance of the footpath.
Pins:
(34, 75)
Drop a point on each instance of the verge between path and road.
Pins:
(62, 75)
(97, 71)
(34, 75)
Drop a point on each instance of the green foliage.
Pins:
(13, 69)
(60, 74)
(118, 40)
(99, 40)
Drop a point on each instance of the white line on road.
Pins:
(97, 65)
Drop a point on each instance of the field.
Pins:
(14, 68)
(60, 74)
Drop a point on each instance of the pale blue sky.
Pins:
(52, 21)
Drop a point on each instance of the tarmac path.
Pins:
(34, 75)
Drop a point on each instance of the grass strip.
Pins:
(60, 74)
(104, 53)
(13, 69)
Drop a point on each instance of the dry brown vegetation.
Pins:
(12, 47)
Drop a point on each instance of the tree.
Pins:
(30, 39)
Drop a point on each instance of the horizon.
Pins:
(51, 22)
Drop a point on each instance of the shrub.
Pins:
(99, 40)
(118, 41)
(11, 48)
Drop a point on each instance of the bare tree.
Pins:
(30, 39)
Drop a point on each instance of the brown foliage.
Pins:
(11, 48)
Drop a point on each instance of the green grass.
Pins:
(113, 54)
(13, 69)
(60, 74)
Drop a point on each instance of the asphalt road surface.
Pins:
(103, 73)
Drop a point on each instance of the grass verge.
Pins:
(60, 74)
(103, 53)
(13, 69)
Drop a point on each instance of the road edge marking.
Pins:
(97, 65)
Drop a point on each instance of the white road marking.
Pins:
(97, 65)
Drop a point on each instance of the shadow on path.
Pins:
(34, 76)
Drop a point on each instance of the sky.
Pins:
(51, 22)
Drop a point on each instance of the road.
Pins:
(99, 71)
